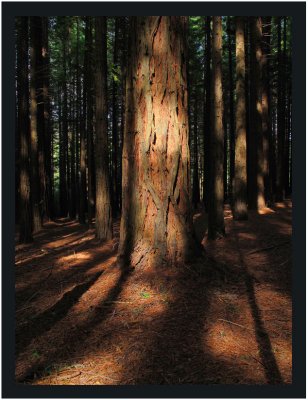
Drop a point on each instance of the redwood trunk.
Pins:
(103, 217)
(35, 182)
(216, 227)
(240, 172)
(25, 232)
(156, 224)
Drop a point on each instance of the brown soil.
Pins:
(226, 319)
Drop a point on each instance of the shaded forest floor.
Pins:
(225, 319)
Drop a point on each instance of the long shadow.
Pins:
(60, 274)
(47, 319)
(269, 363)
(101, 312)
(268, 359)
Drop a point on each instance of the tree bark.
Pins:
(47, 121)
(89, 108)
(281, 119)
(103, 217)
(115, 202)
(231, 109)
(207, 114)
(156, 224)
(196, 185)
(240, 171)
(216, 226)
(25, 231)
(256, 200)
(35, 182)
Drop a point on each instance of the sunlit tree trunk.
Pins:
(25, 230)
(156, 224)
(216, 226)
(103, 217)
(196, 185)
(35, 182)
(240, 172)
(256, 200)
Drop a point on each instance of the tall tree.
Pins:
(25, 232)
(35, 182)
(196, 184)
(266, 131)
(240, 172)
(207, 112)
(216, 226)
(115, 202)
(88, 80)
(47, 120)
(83, 154)
(156, 224)
(231, 105)
(281, 117)
(103, 217)
(256, 200)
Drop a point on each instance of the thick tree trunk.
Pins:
(103, 217)
(35, 182)
(240, 172)
(207, 114)
(25, 231)
(216, 227)
(156, 224)
(256, 200)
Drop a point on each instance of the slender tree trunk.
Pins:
(265, 109)
(281, 119)
(47, 121)
(123, 85)
(72, 142)
(77, 124)
(156, 224)
(103, 217)
(35, 182)
(89, 100)
(115, 202)
(216, 227)
(286, 103)
(256, 200)
(83, 177)
(207, 114)
(64, 136)
(25, 231)
(196, 185)
(240, 171)
(231, 109)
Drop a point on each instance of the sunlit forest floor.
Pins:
(225, 319)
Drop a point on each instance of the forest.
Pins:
(153, 200)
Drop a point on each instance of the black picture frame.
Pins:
(297, 10)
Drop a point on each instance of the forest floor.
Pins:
(226, 319)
